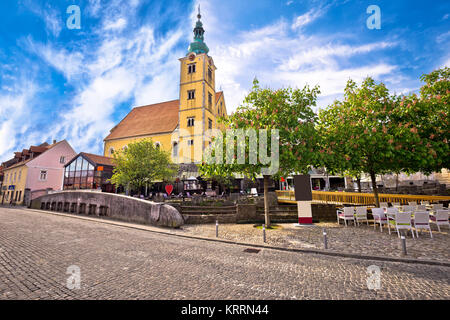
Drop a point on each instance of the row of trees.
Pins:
(369, 131)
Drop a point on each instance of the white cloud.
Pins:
(442, 37)
(52, 18)
(70, 64)
(447, 63)
(306, 18)
(118, 24)
(16, 115)
(280, 58)
(139, 67)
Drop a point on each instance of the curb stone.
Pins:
(310, 251)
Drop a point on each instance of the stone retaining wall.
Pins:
(110, 205)
(249, 213)
(323, 212)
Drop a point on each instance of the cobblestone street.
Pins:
(362, 240)
(122, 263)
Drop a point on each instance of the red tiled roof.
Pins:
(99, 160)
(218, 94)
(18, 164)
(38, 149)
(146, 120)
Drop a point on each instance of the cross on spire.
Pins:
(198, 46)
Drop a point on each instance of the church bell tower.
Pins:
(197, 97)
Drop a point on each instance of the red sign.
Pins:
(169, 189)
(282, 179)
(100, 168)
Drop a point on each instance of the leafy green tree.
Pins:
(286, 110)
(140, 164)
(358, 134)
(374, 132)
(427, 119)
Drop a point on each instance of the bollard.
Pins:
(264, 233)
(325, 241)
(217, 228)
(402, 237)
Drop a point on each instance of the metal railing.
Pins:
(287, 196)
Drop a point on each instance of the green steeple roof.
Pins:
(198, 46)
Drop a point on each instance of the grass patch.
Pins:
(272, 227)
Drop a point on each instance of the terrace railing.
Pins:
(287, 196)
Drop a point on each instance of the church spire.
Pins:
(198, 46)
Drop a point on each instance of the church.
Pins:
(178, 126)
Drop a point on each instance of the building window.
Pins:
(190, 121)
(125, 148)
(210, 123)
(191, 68)
(191, 142)
(62, 159)
(43, 175)
(158, 145)
(191, 94)
(209, 75)
(15, 176)
(175, 149)
(111, 151)
(20, 175)
(209, 99)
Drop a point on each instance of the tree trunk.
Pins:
(358, 183)
(375, 188)
(266, 200)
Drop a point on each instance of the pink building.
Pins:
(35, 174)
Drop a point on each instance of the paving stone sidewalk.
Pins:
(118, 262)
(363, 239)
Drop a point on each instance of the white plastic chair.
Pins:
(402, 221)
(421, 207)
(347, 214)
(440, 219)
(379, 217)
(412, 203)
(408, 208)
(384, 205)
(391, 210)
(361, 215)
(422, 221)
(437, 206)
(425, 203)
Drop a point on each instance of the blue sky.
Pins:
(57, 83)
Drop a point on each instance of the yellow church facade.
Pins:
(180, 127)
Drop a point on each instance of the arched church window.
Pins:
(175, 149)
